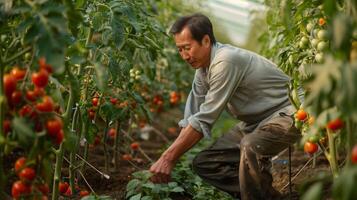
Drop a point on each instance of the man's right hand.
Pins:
(161, 170)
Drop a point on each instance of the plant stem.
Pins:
(106, 160)
(57, 174)
(116, 147)
(72, 156)
(2, 134)
(332, 153)
(60, 153)
(349, 140)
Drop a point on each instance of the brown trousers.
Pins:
(240, 163)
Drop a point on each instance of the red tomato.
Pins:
(20, 163)
(31, 96)
(310, 147)
(322, 21)
(19, 188)
(9, 84)
(127, 157)
(83, 193)
(7, 126)
(26, 110)
(174, 100)
(134, 146)
(113, 100)
(27, 174)
(335, 124)
(301, 115)
(68, 192)
(18, 73)
(354, 154)
(43, 65)
(91, 114)
(38, 126)
(39, 92)
(53, 126)
(95, 101)
(16, 98)
(59, 137)
(112, 133)
(40, 78)
(96, 140)
(47, 104)
(63, 186)
(172, 130)
(44, 189)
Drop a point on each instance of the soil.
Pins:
(115, 186)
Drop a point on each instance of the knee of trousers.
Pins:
(246, 144)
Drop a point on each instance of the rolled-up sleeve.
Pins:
(195, 98)
(224, 78)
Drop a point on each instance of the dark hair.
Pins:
(198, 24)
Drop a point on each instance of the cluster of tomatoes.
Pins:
(311, 145)
(65, 190)
(174, 97)
(134, 149)
(27, 185)
(31, 101)
(27, 98)
(157, 103)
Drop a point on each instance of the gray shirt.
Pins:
(249, 85)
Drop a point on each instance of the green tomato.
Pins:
(303, 42)
(314, 42)
(319, 57)
(291, 60)
(298, 124)
(315, 31)
(321, 46)
(314, 138)
(27, 56)
(309, 27)
(322, 35)
(3, 38)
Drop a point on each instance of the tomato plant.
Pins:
(315, 43)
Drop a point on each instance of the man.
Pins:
(254, 90)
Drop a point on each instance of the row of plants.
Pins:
(314, 42)
(76, 74)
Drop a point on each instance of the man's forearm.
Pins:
(187, 138)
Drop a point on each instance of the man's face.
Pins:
(194, 53)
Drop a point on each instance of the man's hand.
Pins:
(161, 170)
(163, 167)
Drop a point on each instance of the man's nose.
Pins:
(185, 56)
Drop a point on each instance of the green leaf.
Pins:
(133, 184)
(70, 143)
(177, 189)
(92, 197)
(117, 32)
(101, 77)
(314, 192)
(23, 131)
(172, 184)
(146, 198)
(136, 197)
(344, 187)
(149, 185)
(74, 17)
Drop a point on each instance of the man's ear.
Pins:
(206, 41)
